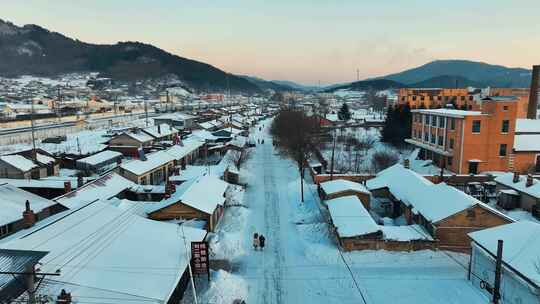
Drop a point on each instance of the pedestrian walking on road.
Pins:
(261, 241)
(256, 241)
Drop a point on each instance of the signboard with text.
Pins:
(199, 258)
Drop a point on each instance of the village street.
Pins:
(301, 262)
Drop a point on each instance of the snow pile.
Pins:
(225, 288)
(228, 243)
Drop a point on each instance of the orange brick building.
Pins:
(469, 142)
(463, 98)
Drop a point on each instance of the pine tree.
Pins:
(388, 130)
(344, 113)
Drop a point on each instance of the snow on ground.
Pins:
(301, 262)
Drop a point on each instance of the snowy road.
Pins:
(302, 264)
(283, 273)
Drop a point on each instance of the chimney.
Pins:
(67, 187)
(515, 179)
(64, 297)
(530, 180)
(29, 218)
(533, 94)
(80, 181)
(407, 164)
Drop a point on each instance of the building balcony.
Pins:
(429, 147)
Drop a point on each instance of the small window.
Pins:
(451, 143)
(462, 97)
(452, 123)
(414, 98)
(505, 126)
(471, 97)
(502, 150)
(471, 214)
(426, 136)
(440, 141)
(505, 108)
(476, 124)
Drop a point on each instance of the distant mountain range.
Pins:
(33, 50)
(447, 74)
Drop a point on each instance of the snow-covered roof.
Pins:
(205, 194)
(527, 142)
(104, 247)
(521, 245)
(204, 135)
(13, 203)
(340, 185)
(153, 161)
(104, 188)
(448, 112)
(405, 233)
(507, 179)
(166, 130)
(350, 217)
(434, 201)
(173, 199)
(239, 141)
(100, 157)
(524, 125)
(188, 145)
(140, 136)
(44, 159)
(19, 162)
(36, 183)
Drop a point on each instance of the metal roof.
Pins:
(12, 263)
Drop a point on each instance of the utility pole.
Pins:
(332, 160)
(30, 284)
(497, 287)
(146, 111)
(34, 155)
(188, 257)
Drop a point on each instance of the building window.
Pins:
(433, 138)
(505, 108)
(449, 161)
(462, 98)
(440, 140)
(471, 213)
(451, 144)
(452, 124)
(502, 150)
(414, 98)
(476, 126)
(441, 122)
(434, 121)
(439, 98)
(422, 98)
(471, 97)
(426, 137)
(505, 126)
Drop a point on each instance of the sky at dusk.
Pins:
(300, 40)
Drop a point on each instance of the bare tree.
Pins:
(295, 135)
(240, 157)
(383, 159)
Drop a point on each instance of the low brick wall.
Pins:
(350, 244)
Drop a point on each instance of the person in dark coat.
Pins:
(262, 239)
